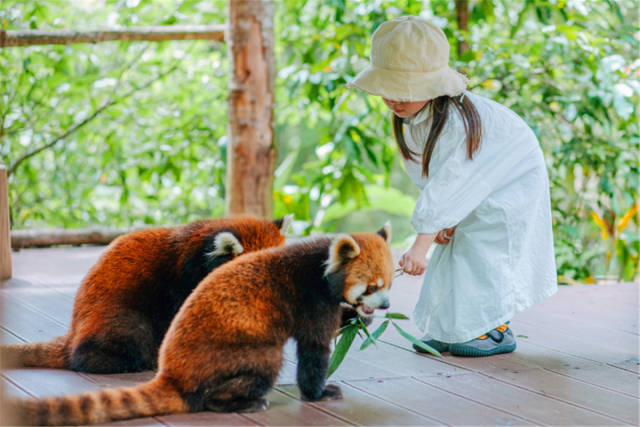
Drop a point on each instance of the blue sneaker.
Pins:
(497, 341)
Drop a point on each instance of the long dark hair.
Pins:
(440, 112)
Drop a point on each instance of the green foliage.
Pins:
(154, 157)
(356, 327)
(158, 154)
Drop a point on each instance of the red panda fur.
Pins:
(127, 300)
(224, 349)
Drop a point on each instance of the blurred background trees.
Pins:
(157, 153)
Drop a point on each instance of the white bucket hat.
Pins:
(409, 62)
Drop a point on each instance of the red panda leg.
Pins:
(313, 362)
(125, 346)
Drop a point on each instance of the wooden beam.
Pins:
(5, 242)
(63, 236)
(156, 34)
(251, 154)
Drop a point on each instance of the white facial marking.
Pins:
(226, 243)
(380, 282)
(355, 292)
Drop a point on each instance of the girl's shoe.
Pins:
(439, 346)
(497, 341)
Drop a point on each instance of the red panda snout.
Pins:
(367, 304)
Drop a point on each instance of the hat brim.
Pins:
(407, 86)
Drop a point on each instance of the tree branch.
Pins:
(88, 119)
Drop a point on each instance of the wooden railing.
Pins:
(5, 237)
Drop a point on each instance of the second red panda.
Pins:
(129, 297)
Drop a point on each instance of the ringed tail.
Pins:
(49, 354)
(152, 398)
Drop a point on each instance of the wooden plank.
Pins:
(285, 410)
(154, 33)
(50, 382)
(361, 408)
(44, 300)
(594, 373)
(13, 391)
(445, 407)
(612, 307)
(205, 419)
(5, 226)
(517, 401)
(62, 267)
(29, 324)
(609, 403)
(8, 338)
(631, 365)
(578, 345)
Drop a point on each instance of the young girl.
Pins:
(484, 193)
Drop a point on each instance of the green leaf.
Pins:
(376, 334)
(396, 316)
(346, 339)
(364, 328)
(416, 341)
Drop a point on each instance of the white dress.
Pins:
(500, 259)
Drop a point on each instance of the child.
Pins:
(484, 193)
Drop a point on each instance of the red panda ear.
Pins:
(225, 243)
(385, 232)
(342, 248)
(284, 223)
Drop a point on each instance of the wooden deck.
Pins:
(577, 361)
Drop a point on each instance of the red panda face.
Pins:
(364, 262)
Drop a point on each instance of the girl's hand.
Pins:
(444, 236)
(414, 261)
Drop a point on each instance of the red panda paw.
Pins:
(331, 392)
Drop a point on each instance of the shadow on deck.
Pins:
(577, 361)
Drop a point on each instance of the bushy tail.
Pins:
(50, 354)
(153, 398)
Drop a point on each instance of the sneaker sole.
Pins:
(474, 352)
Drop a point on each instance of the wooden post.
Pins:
(462, 16)
(5, 237)
(251, 151)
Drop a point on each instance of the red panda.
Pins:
(129, 297)
(224, 349)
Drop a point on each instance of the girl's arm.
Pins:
(414, 261)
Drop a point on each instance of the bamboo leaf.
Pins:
(416, 341)
(396, 316)
(346, 339)
(376, 334)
